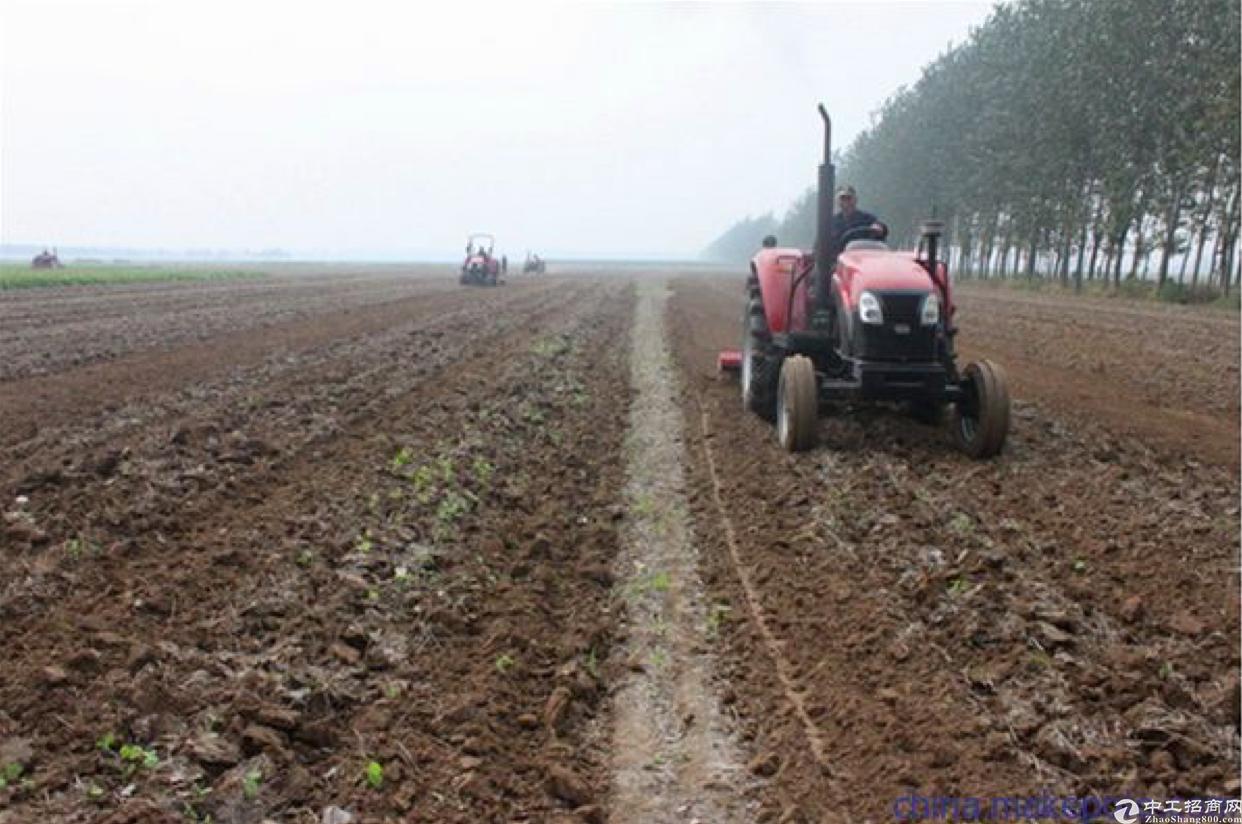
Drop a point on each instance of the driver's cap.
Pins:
(847, 191)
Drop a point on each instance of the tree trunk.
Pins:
(1063, 257)
(1082, 253)
(1138, 251)
(1181, 275)
(1230, 230)
(1119, 244)
(1194, 273)
(1170, 232)
(1097, 237)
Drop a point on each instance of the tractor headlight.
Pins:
(869, 310)
(930, 315)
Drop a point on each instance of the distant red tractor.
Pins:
(854, 321)
(481, 267)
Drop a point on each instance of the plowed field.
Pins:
(361, 544)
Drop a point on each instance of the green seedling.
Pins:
(424, 484)
(401, 459)
(660, 582)
(962, 524)
(251, 782)
(483, 470)
(364, 544)
(107, 742)
(957, 586)
(445, 466)
(305, 558)
(715, 617)
(550, 347)
(373, 595)
(592, 663)
(375, 775)
(194, 816)
(452, 506)
(94, 792)
(645, 505)
(504, 663)
(1080, 565)
(9, 774)
(401, 576)
(1166, 671)
(136, 757)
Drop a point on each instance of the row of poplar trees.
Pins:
(1069, 139)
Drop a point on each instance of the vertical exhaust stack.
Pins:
(825, 253)
(931, 230)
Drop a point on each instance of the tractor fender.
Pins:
(776, 269)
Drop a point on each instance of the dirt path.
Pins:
(674, 757)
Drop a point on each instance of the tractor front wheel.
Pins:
(981, 416)
(797, 405)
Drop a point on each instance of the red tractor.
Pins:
(854, 321)
(481, 267)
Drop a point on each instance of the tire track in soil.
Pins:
(754, 605)
(674, 758)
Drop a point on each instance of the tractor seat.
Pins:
(876, 245)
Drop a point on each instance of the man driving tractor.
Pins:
(852, 223)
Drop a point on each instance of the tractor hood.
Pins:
(880, 270)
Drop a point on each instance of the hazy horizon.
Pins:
(374, 131)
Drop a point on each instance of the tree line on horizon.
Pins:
(1075, 140)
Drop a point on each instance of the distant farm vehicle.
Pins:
(854, 321)
(481, 267)
(46, 260)
(534, 265)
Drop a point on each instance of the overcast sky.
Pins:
(396, 129)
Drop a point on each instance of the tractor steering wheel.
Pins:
(868, 232)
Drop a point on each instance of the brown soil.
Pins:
(1063, 618)
(379, 540)
(272, 532)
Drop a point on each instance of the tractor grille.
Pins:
(901, 307)
(901, 337)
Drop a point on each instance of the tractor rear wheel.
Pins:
(981, 417)
(797, 405)
(758, 368)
